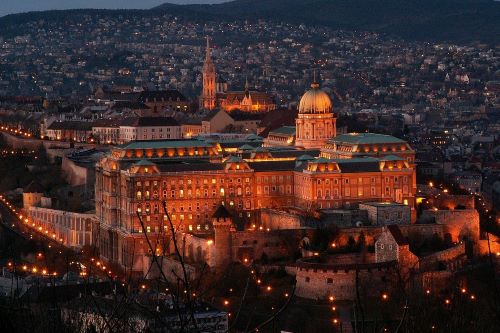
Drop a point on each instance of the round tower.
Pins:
(223, 226)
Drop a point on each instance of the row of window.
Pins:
(189, 193)
(197, 181)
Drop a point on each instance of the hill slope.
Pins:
(457, 20)
(433, 20)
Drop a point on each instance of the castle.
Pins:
(215, 93)
(196, 177)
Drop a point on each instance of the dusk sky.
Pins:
(19, 6)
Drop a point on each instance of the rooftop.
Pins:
(284, 130)
(162, 144)
(365, 138)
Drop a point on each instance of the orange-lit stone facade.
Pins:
(194, 179)
(353, 145)
(323, 184)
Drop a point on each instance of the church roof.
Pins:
(258, 97)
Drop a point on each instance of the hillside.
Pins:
(433, 20)
(456, 20)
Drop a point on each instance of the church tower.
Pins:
(315, 123)
(207, 99)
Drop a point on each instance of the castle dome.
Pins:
(315, 101)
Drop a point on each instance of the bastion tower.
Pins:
(223, 227)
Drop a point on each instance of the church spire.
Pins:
(247, 87)
(207, 99)
(208, 51)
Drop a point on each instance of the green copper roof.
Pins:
(165, 144)
(246, 147)
(286, 130)
(365, 138)
(392, 158)
(253, 137)
(321, 160)
(305, 158)
(234, 159)
(355, 160)
(144, 163)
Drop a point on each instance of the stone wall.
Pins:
(278, 219)
(21, 143)
(436, 281)
(252, 244)
(379, 214)
(171, 268)
(17, 142)
(459, 224)
(77, 175)
(451, 258)
(451, 202)
(373, 232)
(494, 246)
(197, 250)
(321, 281)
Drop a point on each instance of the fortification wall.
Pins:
(451, 202)
(278, 219)
(494, 246)
(32, 143)
(459, 224)
(452, 258)
(321, 282)
(74, 174)
(21, 143)
(252, 244)
(371, 233)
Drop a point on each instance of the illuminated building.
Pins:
(315, 123)
(215, 94)
(196, 177)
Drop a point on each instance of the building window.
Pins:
(329, 280)
(308, 279)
